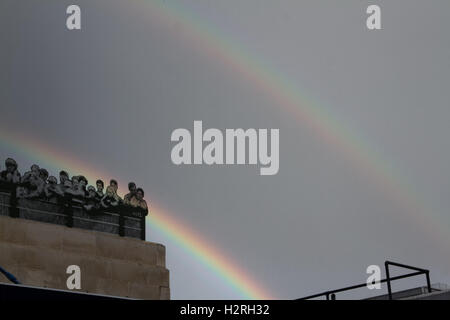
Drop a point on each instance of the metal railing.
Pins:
(331, 294)
(68, 208)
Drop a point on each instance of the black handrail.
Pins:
(419, 271)
(68, 206)
(331, 294)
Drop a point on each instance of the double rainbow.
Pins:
(284, 94)
(172, 227)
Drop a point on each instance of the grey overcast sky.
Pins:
(111, 94)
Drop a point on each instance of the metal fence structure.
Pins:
(124, 221)
(331, 294)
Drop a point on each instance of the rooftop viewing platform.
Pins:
(46, 226)
(71, 202)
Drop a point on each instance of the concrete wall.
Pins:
(38, 254)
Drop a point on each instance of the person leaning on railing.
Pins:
(36, 184)
(43, 174)
(132, 193)
(11, 174)
(63, 181)
(32, 183)
(115, 186)
(78, 191)
(100, 186)
(52, 190)
(139, 202)
(109, 200)
(91, 202)
(34, 172)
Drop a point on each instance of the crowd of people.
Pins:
(37, 184)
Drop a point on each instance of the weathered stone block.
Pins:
(164, 293)
(78, 241)
(38, 254)
(43, 235)
(141, 291)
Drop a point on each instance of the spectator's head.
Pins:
(110, 191)
(82, 181)
(132, 187)
(68, 184)
(11, 165)
(113, 183)
(139, 194)
(91, 191)
(43, 174)
(100, 185)
(75, 182)
(63, 177)
(35, 170)
(52, 180)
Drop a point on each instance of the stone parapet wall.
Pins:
(38, 254)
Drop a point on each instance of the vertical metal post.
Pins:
(388, 280)
(70, 216)
(143, 227)
(121, 224)
(13, 210)
(428, 281)
(68, 210)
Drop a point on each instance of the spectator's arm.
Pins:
(79, 193)
(25, 177)
(144, 208)
(102, 203)
(36, 193)
(69, 191)
(58, 190)
(16, 177)
(47, 192)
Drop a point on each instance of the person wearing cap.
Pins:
(11, 174)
